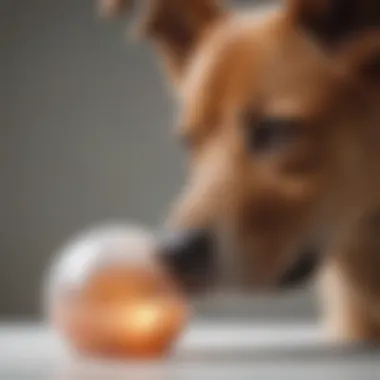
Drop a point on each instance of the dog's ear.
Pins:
(350, 28)
(112, 8)
(333, 21)
(176, 27)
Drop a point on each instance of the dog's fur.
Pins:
(313, 64)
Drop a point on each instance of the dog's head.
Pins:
(279, 114)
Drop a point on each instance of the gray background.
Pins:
(85, 137)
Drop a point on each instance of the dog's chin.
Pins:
(198, 285)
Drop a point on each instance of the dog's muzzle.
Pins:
(189, 257)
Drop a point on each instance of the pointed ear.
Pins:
(333, 21)
(112, 8)
(349, 29)
(176, 27)
(362, 59)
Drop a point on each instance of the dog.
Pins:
(280, 113)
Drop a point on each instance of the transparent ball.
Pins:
(108, 295)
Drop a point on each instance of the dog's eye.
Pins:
(271, 135)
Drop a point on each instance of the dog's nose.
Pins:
(188, 255)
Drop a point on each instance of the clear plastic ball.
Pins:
(108, 295)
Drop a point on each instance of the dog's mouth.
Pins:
(298, 274)
(302, 270)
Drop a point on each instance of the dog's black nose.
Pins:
(188, 255)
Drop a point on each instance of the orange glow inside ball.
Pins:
(108, 296)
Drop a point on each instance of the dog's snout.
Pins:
(188, 255)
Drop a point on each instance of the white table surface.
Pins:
(208, 350)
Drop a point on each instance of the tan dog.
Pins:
(281, 115)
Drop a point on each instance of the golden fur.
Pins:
(289, 62)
